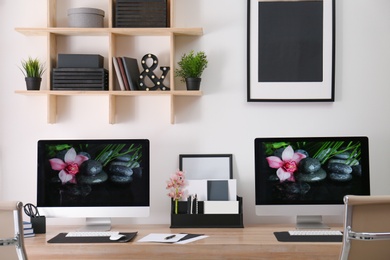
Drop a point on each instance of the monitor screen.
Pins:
(93, 179)
(309, 176)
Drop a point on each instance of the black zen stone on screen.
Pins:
(290, 41)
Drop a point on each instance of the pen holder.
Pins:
(39, 224)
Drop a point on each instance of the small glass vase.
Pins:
(176, 206)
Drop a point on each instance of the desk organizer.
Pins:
(184, 220)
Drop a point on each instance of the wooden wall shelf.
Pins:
(53, 94)
(107, 31)
(52, 31)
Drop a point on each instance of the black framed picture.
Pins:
(291, 50)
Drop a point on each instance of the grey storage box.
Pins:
(80, 61)
(85, 17)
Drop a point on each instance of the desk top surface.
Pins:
(251, 242)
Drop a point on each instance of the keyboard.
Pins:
(92, 233)
(315, 233)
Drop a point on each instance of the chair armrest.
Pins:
(368, 235)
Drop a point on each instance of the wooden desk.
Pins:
(251, 242)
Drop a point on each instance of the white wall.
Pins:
(221, 121)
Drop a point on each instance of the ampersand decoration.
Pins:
(149, 72)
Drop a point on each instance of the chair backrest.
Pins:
(366, 227)
(11, 231)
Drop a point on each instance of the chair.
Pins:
(11, 231)
(366, 227)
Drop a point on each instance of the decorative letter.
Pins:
(148, 71)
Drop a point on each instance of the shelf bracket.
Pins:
(51, 109)
(112, 109)
(172, 112)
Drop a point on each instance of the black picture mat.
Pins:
(285, 237)
(62, 239)
(290, 41)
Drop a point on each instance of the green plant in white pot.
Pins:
(191, 67)
(33, 70)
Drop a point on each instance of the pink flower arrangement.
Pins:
(175, 185)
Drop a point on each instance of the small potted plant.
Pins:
(33, 70)
(191, 67)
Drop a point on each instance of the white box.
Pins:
(220, 207)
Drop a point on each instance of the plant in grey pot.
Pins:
(33, 70)
(191, 67)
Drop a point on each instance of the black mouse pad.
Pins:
(62, 238)
(285, 237)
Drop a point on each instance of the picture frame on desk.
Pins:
(206, 166)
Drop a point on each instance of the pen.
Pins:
(189, 203)
(195, 202)
(169, 237)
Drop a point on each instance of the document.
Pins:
(162, 238)
(190, 238)
(171, 238)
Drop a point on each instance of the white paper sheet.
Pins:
(161, 238)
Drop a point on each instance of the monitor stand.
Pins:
(97, 224)
(310, 222)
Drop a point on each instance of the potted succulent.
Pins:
(33, 70)
(191, 67)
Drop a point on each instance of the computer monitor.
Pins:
(307, 177)
(93, 179)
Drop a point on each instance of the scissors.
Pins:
(31, 210)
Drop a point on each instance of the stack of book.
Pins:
(80, 79)
(28, 229)
(80, 72)
(141, 13)
(127, 72)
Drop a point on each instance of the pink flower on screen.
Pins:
(287, 166)
(69, 167)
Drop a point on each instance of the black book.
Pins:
(132, 72)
